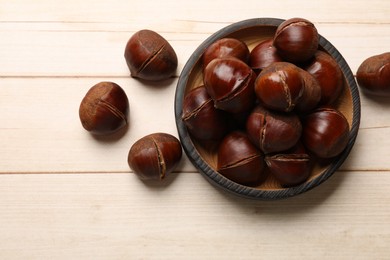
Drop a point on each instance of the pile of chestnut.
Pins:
(271, 110)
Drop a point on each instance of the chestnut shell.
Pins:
(149, 56)
(229, 82)
(226, 47)
(239, 160)
(202, 119)
(325, 132)
(373, 75)
(154, 156)
(104, 109)
(296, 40)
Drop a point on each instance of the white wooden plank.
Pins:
(118, 217)
(218, 10)
(41, 130)
(37, 52)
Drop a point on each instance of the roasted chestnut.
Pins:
(201, 118)
(289, 169)
(229, 82)
(296, 40)
(373, 75)
(263, 55)
(154, 156)
(328, 75)
(311, 95)
(239, 160)
(325, 132)
(226, 47)
(149, 56)
(104, 109)
(280, 86)
(273, 131)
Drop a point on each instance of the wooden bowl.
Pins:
(203, 157)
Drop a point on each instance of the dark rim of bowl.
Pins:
(219, 180)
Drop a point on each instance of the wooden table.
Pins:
(67, 195)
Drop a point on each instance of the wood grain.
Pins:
(67, 195)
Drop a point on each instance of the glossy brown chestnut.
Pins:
(201, 118)
(104, 109)
(229, 82)
(155, 156)
(328, 75)
(373, 75)
(272, 131)
(296, 40)
(226, 47)
(280, 86)
(289, 169)
(311, 95)
(325, 132)
(149, 56)
(263, 55)
(239, 160)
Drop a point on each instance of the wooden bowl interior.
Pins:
(253, 36)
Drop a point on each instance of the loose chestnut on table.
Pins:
(155, 156)
(373, 75)
(104, 109)
(149, 56)
(286, 171)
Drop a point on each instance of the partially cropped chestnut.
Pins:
(325, 132)
(373, 75)
(229, 82)
(154, 156)
(311, 95)
(280, 86)
(201, 118)
(239, 160)
(263, 55)
(328, 75)
(226, 47)
(296, 40)
(273, 131)
(149, 56)
(290, 169)
(104, 109)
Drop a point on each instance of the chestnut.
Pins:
(273, 131)
(311, 95)
(230, 83)
(226, 47)
(373, 75)
(263, 55)
(201, 118)
(149, 56)
(325, 132)
(154, 156)
(328, 75)
(296, 40)
(104, 109)
(280, 86)
(239, 160)
(289, 169)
